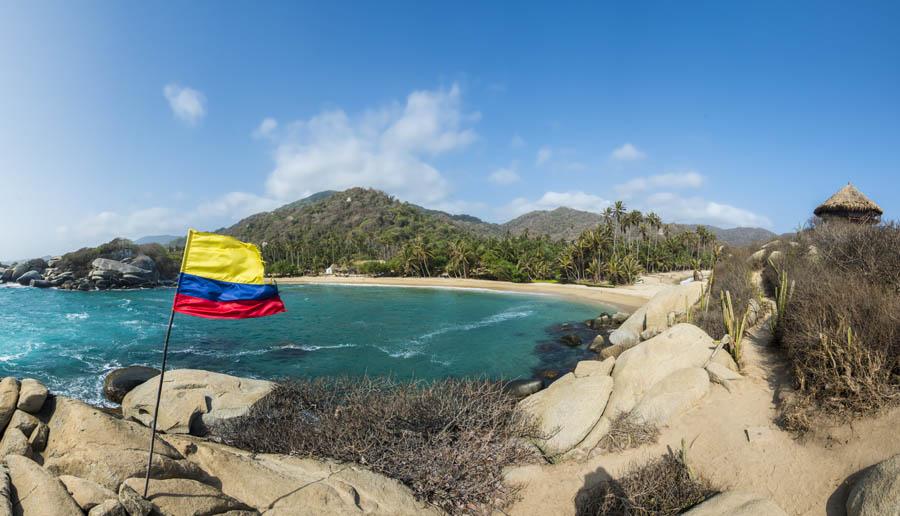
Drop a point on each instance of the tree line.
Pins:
(624, 245)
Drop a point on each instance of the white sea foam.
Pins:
(77, 316)
(316, 348)
(487, 321)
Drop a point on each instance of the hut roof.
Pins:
(848, 199)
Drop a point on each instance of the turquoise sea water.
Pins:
(70, 340)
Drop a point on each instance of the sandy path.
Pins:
(804, 478)
(626, 298)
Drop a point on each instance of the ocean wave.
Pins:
(487, 321)
(12, 357)
(408, 353)
(80, 316)
(305, 347)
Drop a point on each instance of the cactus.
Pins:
(735, 327)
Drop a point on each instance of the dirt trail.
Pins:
(804, 478)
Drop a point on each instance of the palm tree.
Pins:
(422, 254)
(460, 257)
(618, 211)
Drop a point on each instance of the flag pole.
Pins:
(162, 370)
(162, 373)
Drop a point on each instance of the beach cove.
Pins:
(71, 340)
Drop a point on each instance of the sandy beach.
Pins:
(625, 298)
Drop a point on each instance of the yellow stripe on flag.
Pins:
(222, 258)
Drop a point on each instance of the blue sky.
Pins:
(126, 118)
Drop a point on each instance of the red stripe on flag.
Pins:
(243, 309)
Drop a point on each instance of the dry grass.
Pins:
(448, 440)
(627, 431)
(841, 327)
(732, 274)
(664, 486)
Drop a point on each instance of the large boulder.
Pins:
(594, 367)
(523, 387)
(142, 261)
(105, 264)
(183, 497)
(26, 278)
(109, 508)
(877, 492)
(18, 270)
(5, 274)
(86, 493)
(14, 442)
(37, 491)
(737, 503)
(32, 394)
(24, 422)
(638, 369)
(9, 395)
(89, 443)
(270, 482)
(193, 400)
(568, 410)
(133, 503)
(653, 317)
(673, 395)
(6, 496)
(121, 381)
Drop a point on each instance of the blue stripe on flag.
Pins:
(215, 290)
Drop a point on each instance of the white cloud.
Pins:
(265, 128)
(627, 152)
(689, 179)
(543, 155)
(389, 148)
(188, 104)
(209, 215)
(233, 206)
(504, 176)
(675, 208)
(552, 200)
(109, 224)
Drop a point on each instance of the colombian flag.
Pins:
(222, 278)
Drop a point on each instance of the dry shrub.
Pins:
(448, 440)
(842, 338)
(841, 329)
(732, 274)
(627, 431)
(664, 486)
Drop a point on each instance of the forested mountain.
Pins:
(734, 236)
(357, 221)
(366, 213)
(564, 223)
(369, 231)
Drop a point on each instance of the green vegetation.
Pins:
(168, 259)
(447, 440)
(735, 327)
(368, 232)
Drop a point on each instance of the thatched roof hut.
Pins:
(850, 204)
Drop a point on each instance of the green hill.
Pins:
(358, 221)
(564, 223)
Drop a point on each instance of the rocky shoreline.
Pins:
(129, 272)
(63, 457)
